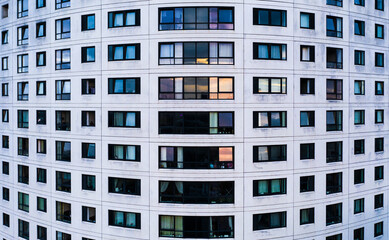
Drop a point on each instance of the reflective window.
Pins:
(123, 85)
(124, 52)
(269, 153)
(126, 18)
(270, 51)
(269, 119)
(266, 85)
(269, 17)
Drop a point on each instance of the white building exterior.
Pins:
(148, 137)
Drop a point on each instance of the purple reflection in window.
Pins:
(225, 120)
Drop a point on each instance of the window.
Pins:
(379, 173)
(41, 146)
(378, 201)
(41, 117)
(23, 202)
(88, 86)
(23, 174)
(196, 192)
(334, 152)
(40, 3)
(63, 90)
(333, 214)
(196, 123)
(269, 221)
(307, 151)
(5, 168)
(41, 175)
(196, 226)
(62, 235)
(359, 3)
(22, 63)
(22, 118)
(62, 120)
(269, 17)
(123, 85)
(40, 28)
(379, 31)
(359, 87)
(307, 86)
(128, 18)
(196, 53)
(334, 26)
(359, 117)
(359, 146)
(378, 227)
(265, 85)
(41, 233)
(334, 183)
(88, 150)
(359, 205)
(63, 212)
(6, 220)
(22, 8)
(335, 237)
(4, 63)
(22, 146)
(196, 157)
(307, 118)
(379, 116)
(87, 22)
(379, 59)
(334, 58)
(58, 5)
(188, 88)
(307, 53)
(379, 144)
(4, 11)
(199, 18)
(62, 59)
(88, 118)
(379, 88)
(123, 219)
(124, 186)
(23, 91)
(5, 194)
(62, 28)
(269, 119)
(23, 35)
(4, 89)
(5, 115)
(269, 153)
(359, 28)
(40, 59)
(124, 52)
(63, 181)
(269, 51)
(23, 229)
(124, 119)
(4, 37)
(124, 152)
(62, 151)
(5, 141)
(269, 187)
(41, 204)
(307, 216)
(359, 57)
(87, 54)
(334, 89)
(88, 182)
(359, 176)
(379, 5)
(338, 3)
(41, 88)
(334, 120)
(89, 214)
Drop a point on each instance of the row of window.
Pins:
(378, 4)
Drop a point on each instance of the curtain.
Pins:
(40, 60)
(163, 154)
(263, 51)
(130, 19)
(304, 20)
(225, 50)
(275, 52)
(40, 30)
(275, 220)
(179, 226)
(130, 52)
(305, 53)
(118, 85)
(263, 187)
(118, 52)
(180, 157)
(130, 219)
(118, 152)
(91, 150)
(25, 117)
(304, 119)
(180, 187)
(130, 153)
(275, 119)
(263, 120)
(167, 222)
(164, 186)
(118, 218)
(167, 50)
(118, 19)
(25, 89)
(357, 117)
(118, 119)
(66, 87)
(213, 119)
(263, 85)
(276, 85)
(304, 216)
(275, 185)
(130, 119)
(263, 154)
(379, 88)
(130, 85)
(357, 88)
(25, 33)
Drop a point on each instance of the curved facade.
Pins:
(195, 119)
